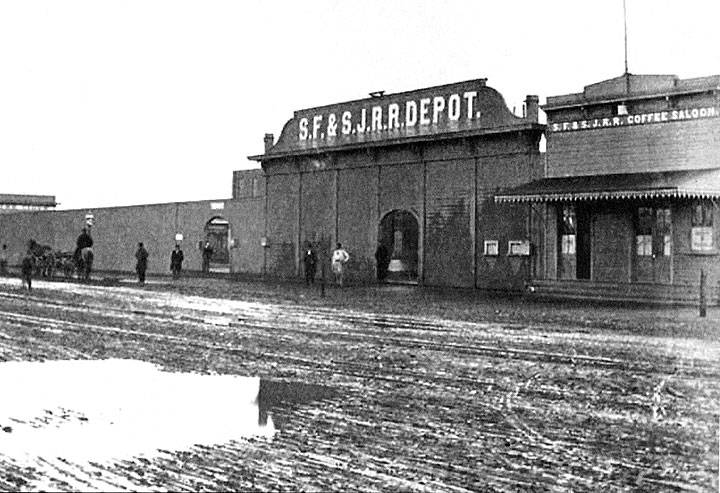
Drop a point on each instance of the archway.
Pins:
(217, 234)
(399, 235)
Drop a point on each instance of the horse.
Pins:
(84, 263)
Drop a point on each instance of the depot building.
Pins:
(629, 205)
(415, 172)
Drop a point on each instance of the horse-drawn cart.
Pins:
(48, 262)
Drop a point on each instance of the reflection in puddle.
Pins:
(276, 394)
(112, 409)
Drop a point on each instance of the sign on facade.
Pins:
(464, 106)
(637, 119)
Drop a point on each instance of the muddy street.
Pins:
(185, 388)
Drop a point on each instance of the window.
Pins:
(518, 247)
(491, 247)
(568, 230)
(702, 227)
(663, 238)
(653, 232)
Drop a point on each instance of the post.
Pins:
(703, 302)
(322, 266)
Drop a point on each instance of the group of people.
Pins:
(141, 264)
(338, 261)
(339, 258)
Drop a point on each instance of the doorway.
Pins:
(398, 236)
(217, 232)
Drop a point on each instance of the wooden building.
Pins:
(414, 172)
(629, 204)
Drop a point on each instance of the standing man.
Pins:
(3, 260)
(27, 267)
(310, 261)
(176, 260)
(340, 257)
(382, 259)
(206, 256)
(142, 259)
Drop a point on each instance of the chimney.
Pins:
(532, 105)
(269, 141)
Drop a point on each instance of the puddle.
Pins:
(100, 410)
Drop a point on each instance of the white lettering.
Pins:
(360, 127)
(438, 106)
(317, 120)
(664, 116)
(393, 116)
(346, 123)
(616, 121)
(674, 115)
(694, 113)
(454, 107)
(410, 113)
(376, 118)
(424, 110)
(303, 133)
(469, 97)
(332, 125)
(556, 127)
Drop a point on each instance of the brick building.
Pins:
(415, 172)
(629, 204)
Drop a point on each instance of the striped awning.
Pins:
(690, 184)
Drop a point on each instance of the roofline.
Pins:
(402, 140)
(628, 97)
(20, 199)
(665, 192)
(481, 80)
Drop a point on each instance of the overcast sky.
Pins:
(129, 102)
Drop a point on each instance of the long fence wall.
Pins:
(117, 230)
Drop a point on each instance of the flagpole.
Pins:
(625, 23)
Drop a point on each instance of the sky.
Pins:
(110, 103)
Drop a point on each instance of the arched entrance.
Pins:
(217, 234)
(398, 235)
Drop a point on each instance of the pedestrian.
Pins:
(382, 259)
(206, 256)
(340, 257)
(176, 260)
(3, 260)
(142, 260)
(310, 262)
(27, 266)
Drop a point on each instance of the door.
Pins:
(653, 244)
(216, 232)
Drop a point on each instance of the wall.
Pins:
(342, 196)
(117, 230)
(647, 148)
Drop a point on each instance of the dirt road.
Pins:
(362, 399)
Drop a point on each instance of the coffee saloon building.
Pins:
(629, 204)
(414, 171)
